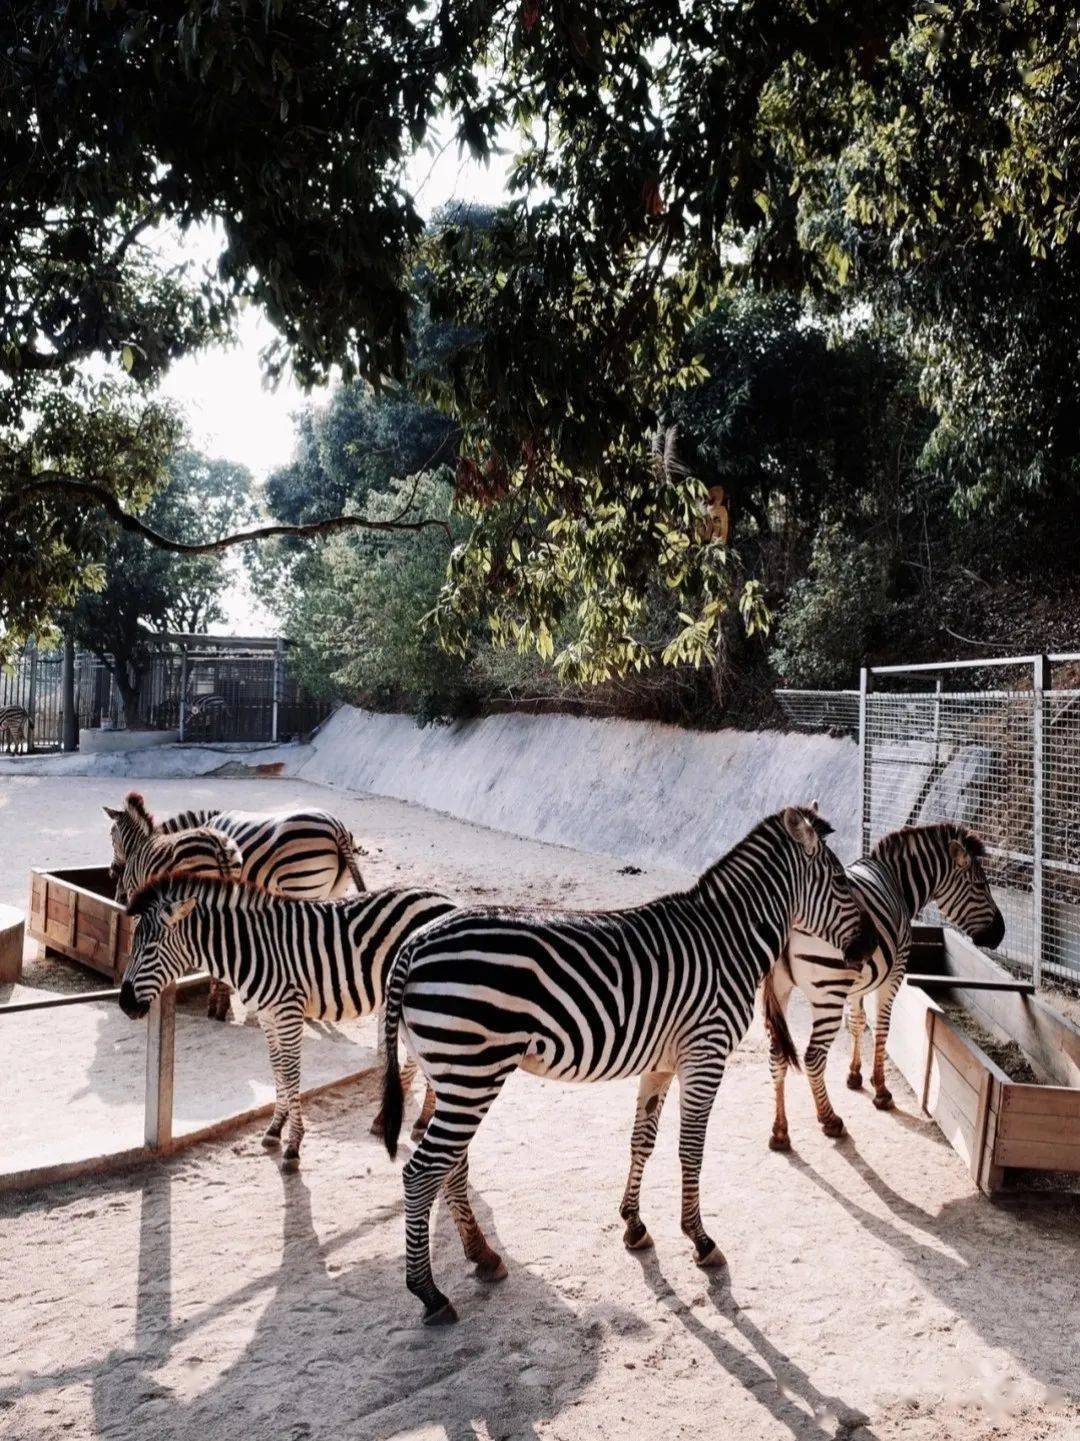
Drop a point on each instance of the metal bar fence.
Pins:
(1004, 760)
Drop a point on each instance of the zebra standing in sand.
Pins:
(287, 960)
(308, 854)
(661, 990)
(906, 870)
(201, 851)
(16, 724)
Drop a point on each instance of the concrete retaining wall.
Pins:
(651, 794)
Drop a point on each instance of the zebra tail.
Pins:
(776, 1023)
(393, 1099)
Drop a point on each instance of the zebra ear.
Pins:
(961, 857)
(814, 805)
(801, 829)
(180, 911)
(112, 812)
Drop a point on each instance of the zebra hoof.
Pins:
(271, 1140)
(378, 1127)
(290, 1161)
(637, 1238)
(445, 1315)
(779, 1141)
(884, 1101)
(418, 1132)
(833, 1127)
(493, 1268)
(854, 1081)
(712, 1259)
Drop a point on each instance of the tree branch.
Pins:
(50, 482)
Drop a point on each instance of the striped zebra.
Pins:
(287, 960)
(307, 854)
(16, 724)
(200, 851)
(662, 990)
(906, 870)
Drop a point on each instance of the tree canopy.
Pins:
(916, 159)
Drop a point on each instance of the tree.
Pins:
(888, 153)
(144, 592)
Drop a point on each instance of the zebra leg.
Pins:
(290, 1034)
(272, 1134)
(699, 1078)
(783, 984)
(427, 1110)
(490, 1266)
(883, 1099)
(652, 1088)
(856, 1025)
(826, 1018)
(443, 1148)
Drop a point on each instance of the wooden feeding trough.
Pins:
(995, 1123)
(73, 913)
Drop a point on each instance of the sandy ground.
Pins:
(871, 1293)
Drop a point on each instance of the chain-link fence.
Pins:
(1004, 760)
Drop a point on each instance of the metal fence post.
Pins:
(866, 681)
(183, 691)
(31, 695)
(69, 723)
(279, 651)
(1040, 768)
(160, 1053)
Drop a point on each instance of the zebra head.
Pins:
(824, 902)
(130, 825)
(162, 949)
(198, 851)
(963, 896)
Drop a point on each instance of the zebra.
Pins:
(202, 851)
(16, 724)
(287, 959)
(206, 709)
(308, 854)
(664, 989)
(905, 871)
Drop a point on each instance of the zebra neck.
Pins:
(748, 909)
(917, 875)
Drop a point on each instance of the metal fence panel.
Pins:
(835, 712)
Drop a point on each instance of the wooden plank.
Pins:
(952, 1104)
(1041, 1100)
(991, 1174)
(1048, 1039)
(968, 1060)
(1038, 1155)
(160, 1054)
(1031, 1126)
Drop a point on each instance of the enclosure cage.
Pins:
(205, 688)
(994, 744)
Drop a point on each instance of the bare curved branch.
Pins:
(52, 482)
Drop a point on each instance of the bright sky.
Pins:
(232, 414)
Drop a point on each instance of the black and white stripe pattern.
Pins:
(307, 854)
(286, 959)
(664, 989)
(907, 870)
(200, 851)
(16, 725)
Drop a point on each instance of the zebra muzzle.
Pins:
(130, 1003)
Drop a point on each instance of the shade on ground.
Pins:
(80, 1076)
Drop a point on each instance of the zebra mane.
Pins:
(820, 825)
(136, 809)
(896, 840)
(169, 882)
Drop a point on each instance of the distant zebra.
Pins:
(664, 989)
(206, 709)
(287, 960)
(905, 871)
(308, 854)
(16, 724)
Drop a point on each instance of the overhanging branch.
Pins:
(49, 482)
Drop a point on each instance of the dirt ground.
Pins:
(870, 1294)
